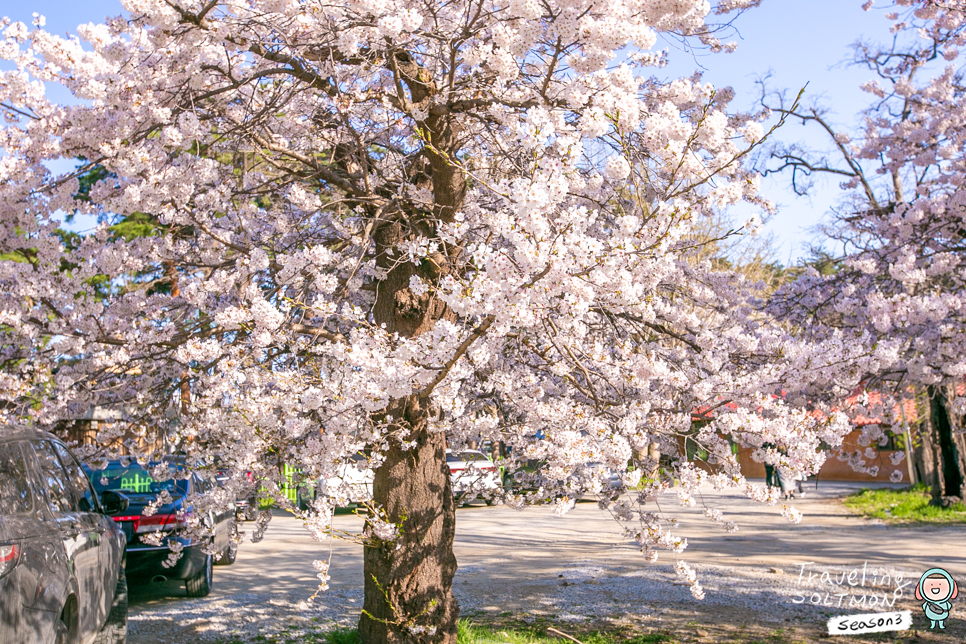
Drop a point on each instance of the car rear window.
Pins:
(14, 490)
(134, 479)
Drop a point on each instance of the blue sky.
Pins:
(798, 42)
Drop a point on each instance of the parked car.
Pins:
(246, 505)
(352, 484)
(146, 556)
(472, 472)
(62, 576)
(610, 481)
(527, 479)
(521, 478)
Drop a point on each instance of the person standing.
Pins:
(787, 483)
(769, 468)
(776, 476)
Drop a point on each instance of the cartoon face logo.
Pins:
(936, 590)
(935, 587)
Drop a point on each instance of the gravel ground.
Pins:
(533, 566)
(583, 592)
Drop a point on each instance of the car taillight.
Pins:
(488, 469)
(9, 557)
(156, 523)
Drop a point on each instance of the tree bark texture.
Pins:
(408, 582)
(925, 456)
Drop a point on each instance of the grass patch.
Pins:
(470, 633)
(906, 505)
(341, 636)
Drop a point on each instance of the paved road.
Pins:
(533, 562)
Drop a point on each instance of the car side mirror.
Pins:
(114, 502)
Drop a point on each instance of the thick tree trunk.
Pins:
(947, 449)
(408, 592)
(408, 581)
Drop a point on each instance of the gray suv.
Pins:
(61, 557)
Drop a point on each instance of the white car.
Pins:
(353, 484)
(471, 472)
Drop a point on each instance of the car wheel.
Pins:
(61, 633)
(227, 556)
(488, 501)
(252, 513)
(200, 584)
(65, 629)
(115, 628)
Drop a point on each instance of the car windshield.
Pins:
(473, 456)
(134, 479)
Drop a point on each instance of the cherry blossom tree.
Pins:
(899, 278)
(390, 228)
